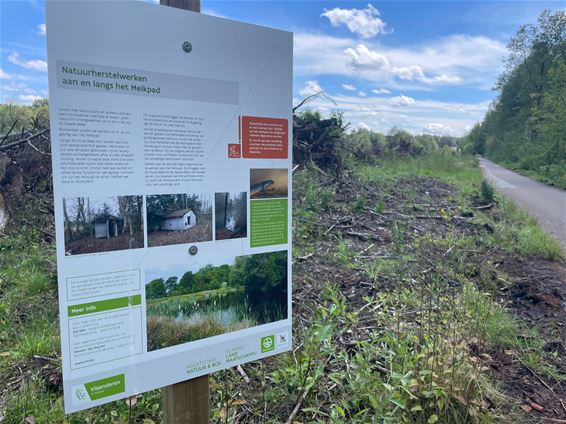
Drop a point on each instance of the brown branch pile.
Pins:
(319, 141)
(26, 186)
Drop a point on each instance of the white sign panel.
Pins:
(171, 141)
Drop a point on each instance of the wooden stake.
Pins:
(187, 402)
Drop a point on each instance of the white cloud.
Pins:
(382, 113)
(380, 91)
(436, 128)
(349, 87)
(15, 87)
(364, 22)
(4, 75)
(42, 29)
(315, 54)
(413, 72)
(402, 101)
(364, 59)
(362, 93)
(457, 59)
(28, 98)
(364, 126)
(310, 88)
(450, 79)
(36, 65)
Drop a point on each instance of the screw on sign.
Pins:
(187, 47)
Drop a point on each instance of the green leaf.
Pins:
(388, 386)
(401, 403)
(432, 419)
(340, 410)
(417, 408)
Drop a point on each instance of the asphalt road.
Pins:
(547, 204)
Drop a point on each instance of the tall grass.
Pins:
(447, 167)
(186, 318)
(165, 331)
(517, 231)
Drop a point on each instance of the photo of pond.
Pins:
(185, 305)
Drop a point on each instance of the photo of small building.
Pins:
(107, 226)
(93, 225)
(178, 220)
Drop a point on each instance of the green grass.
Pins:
(166, 331)
(446, 167)
(514, 229)
(517, 231)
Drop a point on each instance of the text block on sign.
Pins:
(265, 138)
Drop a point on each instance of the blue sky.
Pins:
(426, 66)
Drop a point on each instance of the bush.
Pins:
(487, 192)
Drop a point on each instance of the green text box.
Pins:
(269, 222)
(103, 305)
(106, 387)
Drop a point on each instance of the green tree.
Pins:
(524, 128)
(186, 283)
(155, 289)
(264, 276)
(171, 285)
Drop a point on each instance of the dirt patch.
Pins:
(93, 245)
(198, 233)
(227, 234)
(46, 368)
(538, 291)
(375, 225)
(537, 294)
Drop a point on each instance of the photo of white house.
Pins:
(178, 218)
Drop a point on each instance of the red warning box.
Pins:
(264, 138)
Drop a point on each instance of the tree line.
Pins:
(264, 277)
(327, 143)
(525, 128)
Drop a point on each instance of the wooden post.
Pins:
(187, 402)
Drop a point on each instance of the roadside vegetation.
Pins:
(524, 129)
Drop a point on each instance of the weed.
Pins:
(487, 192)
(517, 231)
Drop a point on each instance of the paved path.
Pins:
(547, 204)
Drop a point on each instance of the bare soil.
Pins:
(537, 294)
(93, 245)
(198, 233)
(227, 234)
(535, 289)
